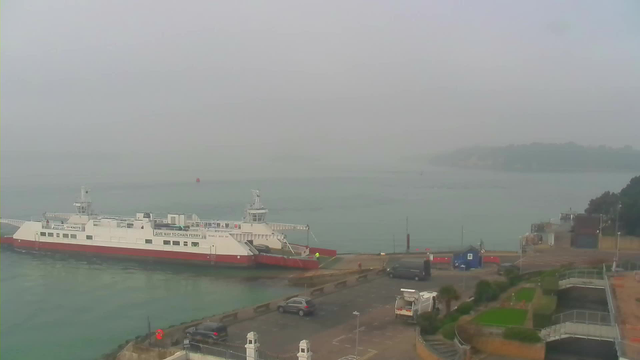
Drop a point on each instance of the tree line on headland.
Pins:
(623, 207)
(542, 157)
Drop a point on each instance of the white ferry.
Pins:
(178, 237)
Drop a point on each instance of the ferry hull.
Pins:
(172, 256)
(169, 256)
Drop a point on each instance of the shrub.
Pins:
(464, 308)
(485, 292)
(521, 334)
(449, 331)
(513, 276)
(549, 285)
(543, 311)
(429, 323)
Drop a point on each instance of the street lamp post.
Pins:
(617, 235)
(357, 314)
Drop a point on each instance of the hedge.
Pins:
(429, 323)
(521, 334)
(451, 317)
(464, 308)
(449, 331)
(549, 285)
(501, 286)
(543, 311)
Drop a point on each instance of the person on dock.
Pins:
(318, 256)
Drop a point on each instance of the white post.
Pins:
(305, 350)
(252, 346)
(357, 314)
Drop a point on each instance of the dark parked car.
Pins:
(208, 331)
(417, 270)
(263, 249)
(503, 267)
(300, 305)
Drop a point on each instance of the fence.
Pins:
(595, 274)
(216, 351)
(233, 352)
(583, 317)
(628, 266)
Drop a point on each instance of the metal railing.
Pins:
(620, 345)
(215, 351)
(571, 329)
(594, 274)
(628, 266)
(225, 352)
(583, 317)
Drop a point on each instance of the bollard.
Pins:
(252, 346)
(305, 350)
(342, 283)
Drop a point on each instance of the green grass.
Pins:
(502, 317)
(525, 294)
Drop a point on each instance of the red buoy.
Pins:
(198, 180)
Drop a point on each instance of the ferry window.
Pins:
(195, 244)
(74, 236)
(50, 234)
(66, 236)
(57, 234)
(89, 237)
(185, 243)
(43, 234)
(148, 241)
(129, 226)
(176, 243)
(166, 242)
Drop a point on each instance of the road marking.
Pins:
(335, 341)
(360, 329)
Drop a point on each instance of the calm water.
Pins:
(81, 308)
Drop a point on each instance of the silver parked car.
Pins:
(300, 305)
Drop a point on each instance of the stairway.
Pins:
(446, 350)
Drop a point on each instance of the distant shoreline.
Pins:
(537, 158)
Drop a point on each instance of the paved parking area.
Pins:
(332, 330)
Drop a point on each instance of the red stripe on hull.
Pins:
(6, 240)
(242, 260)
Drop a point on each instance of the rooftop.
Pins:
(626, 299)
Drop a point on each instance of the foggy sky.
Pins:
(239, 82)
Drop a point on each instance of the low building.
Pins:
(470, 258)
(586, 231)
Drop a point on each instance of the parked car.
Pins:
(300, 305)
(503, 267)
(263, 249)
(417, 270)
(208, 331)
